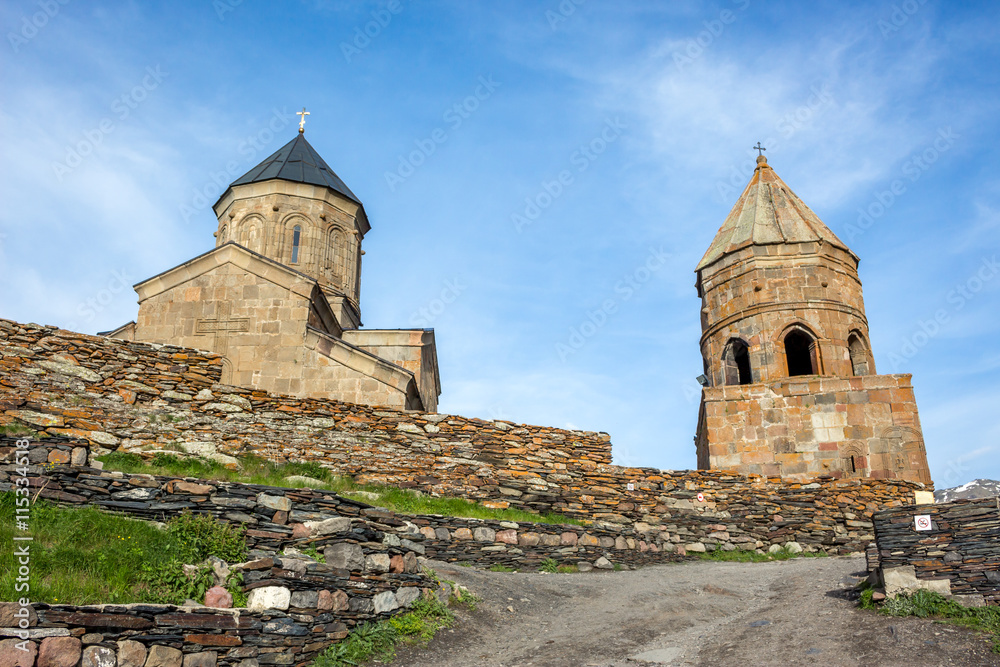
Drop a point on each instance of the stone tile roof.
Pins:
(768, 212)
(297, 161)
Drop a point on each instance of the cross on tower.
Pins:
(302, 120)
(760, 149)
(221, 327)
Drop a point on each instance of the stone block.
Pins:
(903, 579)
(269, 597)
(345, 556)
(331, 526)
(484, 534)
(11, 614)
(385, 602)
(305, 599)
(11, 656)
(411, 562)
(278, 503)
(163, 656)
(78, 457)
(200, 659)
(506, 536)
(407, 595)
(98, 656)
(528, 539)
(332, 601)
(66, 652)
(377, 563)
(218, 597)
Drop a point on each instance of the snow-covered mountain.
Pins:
(979, 488)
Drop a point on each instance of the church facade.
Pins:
(790, 386)
(279, 295)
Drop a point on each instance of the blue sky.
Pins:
(541, 179)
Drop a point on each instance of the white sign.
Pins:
(922, 522)
(630, 486)
(701, 497)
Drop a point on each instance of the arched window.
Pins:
(859, 354)
(253, 238)
(337, 250)
(800, 352)
(736, 362)
(222, 234)
(296, 239)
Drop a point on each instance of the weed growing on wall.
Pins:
(378, 641)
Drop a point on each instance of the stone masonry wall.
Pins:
(140, 398)
(303, 518)
(963, 544)
(806, 426)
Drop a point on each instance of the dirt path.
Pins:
(794, 612)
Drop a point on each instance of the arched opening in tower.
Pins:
(859, 354)
(800, 351)
(736, 362)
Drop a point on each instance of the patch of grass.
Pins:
(549, 565)
(567, 569)
(18, 430)
(256, 470)
(928, 604)
(744, 556)
(85, 556)
(314, 554)
(464, 597)
(500, 567)
(202, 536)
(378, 641)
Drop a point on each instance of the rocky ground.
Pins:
(795, 612)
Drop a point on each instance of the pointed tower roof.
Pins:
(768, 213)
(297, 161)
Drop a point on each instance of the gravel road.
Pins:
(796, 612)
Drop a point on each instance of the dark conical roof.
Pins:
(297, 161)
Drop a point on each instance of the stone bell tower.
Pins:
(294, 209)
(790, 384)
(780, 292)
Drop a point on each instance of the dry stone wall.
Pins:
(962, 545)
(141, 398)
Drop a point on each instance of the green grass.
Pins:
(567, 569)
(378, 641)
(743, 556)
(500, 567)
(85, 556)
(17, 429)
(549, 565)
(927, 604)
(256, 470)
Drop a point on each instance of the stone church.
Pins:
(790, 386)
(279, 296)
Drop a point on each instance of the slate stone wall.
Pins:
(141, 398)
(962, 545)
